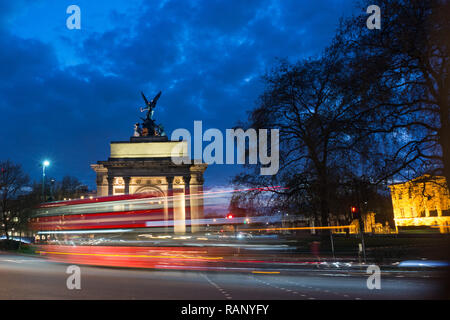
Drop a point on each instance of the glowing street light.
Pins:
(45, 164)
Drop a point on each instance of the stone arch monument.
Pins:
(144, 164)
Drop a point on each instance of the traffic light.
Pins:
(355, 211)
(229, 216)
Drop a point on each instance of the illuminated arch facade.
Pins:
(145, 165)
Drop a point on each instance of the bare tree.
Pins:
(320, 127)
(405, 66)
(69, 188)
(373, 107)
(12, 182)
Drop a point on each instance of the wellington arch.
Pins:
(144, 164)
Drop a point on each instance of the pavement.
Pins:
(30, 277)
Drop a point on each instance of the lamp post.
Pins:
(45, 164)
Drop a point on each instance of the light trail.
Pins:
(299, 228)
(129, 255)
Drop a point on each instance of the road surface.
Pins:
(27, 277)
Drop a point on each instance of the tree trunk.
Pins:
(20, 237)
(6, 228)
(324, 207)
(324, 213)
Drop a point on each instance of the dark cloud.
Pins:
(206, 56)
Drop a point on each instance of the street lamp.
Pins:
(45, 164)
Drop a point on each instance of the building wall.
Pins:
(423, 201)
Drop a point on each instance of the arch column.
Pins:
(196, 202)
(168, 205)
(176, 207)
(187, 205)
(179, 212)
(110, 185)
(127, 180)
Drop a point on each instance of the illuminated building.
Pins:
(422, 202)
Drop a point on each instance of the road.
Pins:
(27, 277)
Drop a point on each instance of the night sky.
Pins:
(65, 94)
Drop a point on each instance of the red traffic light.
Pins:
(354, 209)
(229, 216)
